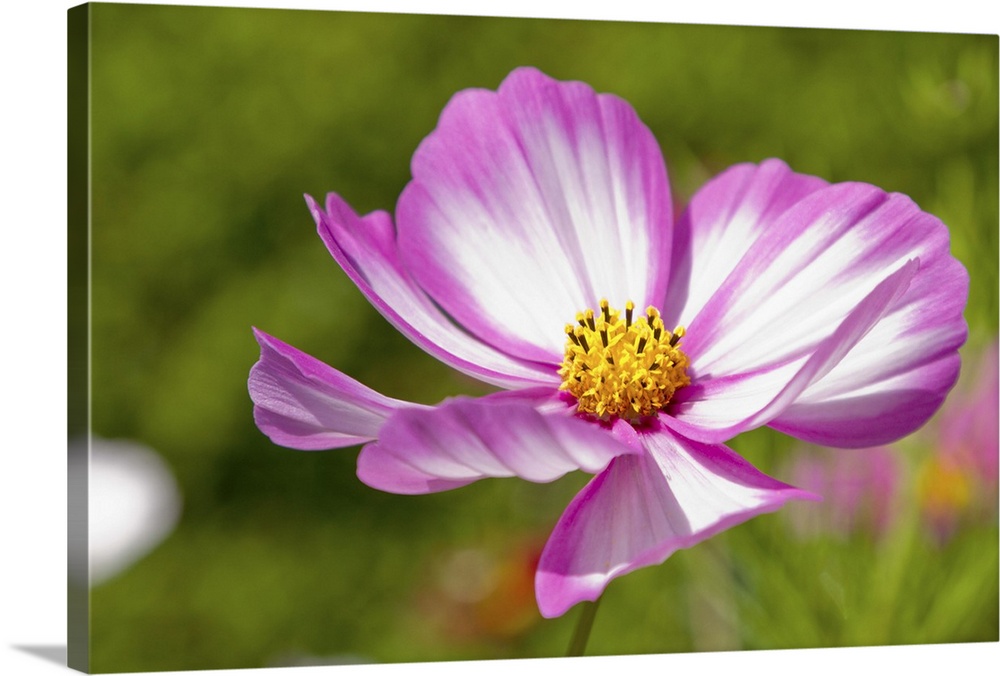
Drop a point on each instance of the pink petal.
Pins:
(873, 413)
(643, 508)
(463, 440)
(714, 410)
(802, 279)
(532, 203)
(367, 249)
(897, 376)
(724, 218)
(302, 403)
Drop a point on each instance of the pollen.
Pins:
(628, 367)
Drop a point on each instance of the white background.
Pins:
(33, 361)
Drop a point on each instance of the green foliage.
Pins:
(208, 126)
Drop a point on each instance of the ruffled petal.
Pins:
(800, 284)
(302, 403)
(724, 218)
(530, 204)
(643, 508)
(463, 440)
(367, 250)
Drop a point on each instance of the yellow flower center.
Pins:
(625, 367)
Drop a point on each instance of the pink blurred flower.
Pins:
(860, 488)
(959, 478)
(829, 312)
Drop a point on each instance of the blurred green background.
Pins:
(209, 124)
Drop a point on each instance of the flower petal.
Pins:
(801, 280)
(873, 413)
(302, 403)
(643, 508)
(463, 440)
(897, 376)
(367, 250)
(724, 218)
(715, 410)
(530, 204)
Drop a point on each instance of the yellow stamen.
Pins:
(629, 368)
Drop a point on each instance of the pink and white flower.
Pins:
(830, 312)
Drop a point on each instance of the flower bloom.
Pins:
(536, 249)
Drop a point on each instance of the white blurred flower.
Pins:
(133, 504)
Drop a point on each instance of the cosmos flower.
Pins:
(535, 249)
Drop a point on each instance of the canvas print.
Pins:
(408, 338)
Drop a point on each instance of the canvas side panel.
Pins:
(78, 358)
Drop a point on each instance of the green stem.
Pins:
(583, 625)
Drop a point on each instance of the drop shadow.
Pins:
(51, 653)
